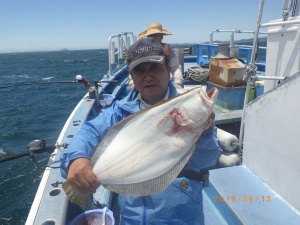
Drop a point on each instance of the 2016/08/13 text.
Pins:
(244, 198)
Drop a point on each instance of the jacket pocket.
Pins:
(192, 189)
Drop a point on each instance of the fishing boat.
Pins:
(260, 186)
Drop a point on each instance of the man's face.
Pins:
(151, 81)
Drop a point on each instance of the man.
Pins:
(181, 201)
(156, 31)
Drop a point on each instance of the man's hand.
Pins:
(177, 86)
(82, 177)
(179, 89)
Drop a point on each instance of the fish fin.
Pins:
(108, 138)
(154, 185)
(74, 195)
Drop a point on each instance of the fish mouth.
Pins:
(212, 94)
(207, 100)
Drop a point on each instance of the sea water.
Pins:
(33, 107)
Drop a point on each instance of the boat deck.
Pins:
(230, 102)
(224, 115)
(233, 192)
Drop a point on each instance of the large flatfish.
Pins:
(143, 153)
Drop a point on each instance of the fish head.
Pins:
(196, 108)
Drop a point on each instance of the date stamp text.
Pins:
(242, 198)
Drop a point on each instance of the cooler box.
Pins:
(226, 72)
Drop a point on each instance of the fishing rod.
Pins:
(79, 79)
(39, 146)
(36, 82)
(33, 147)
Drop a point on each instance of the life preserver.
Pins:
(167, 48)
(227, 159)
(227, 141)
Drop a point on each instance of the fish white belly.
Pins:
(143, 153)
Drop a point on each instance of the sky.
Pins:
(37, 25)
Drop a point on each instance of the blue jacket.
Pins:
(181, 202)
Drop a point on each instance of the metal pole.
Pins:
(248, 76)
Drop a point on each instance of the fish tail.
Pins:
(74, 195)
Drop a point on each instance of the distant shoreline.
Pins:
(262, 39)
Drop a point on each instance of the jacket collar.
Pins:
(131, 102)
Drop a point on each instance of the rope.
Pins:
(295, 8)
(197, 73)
(250, 71)
(36, 82)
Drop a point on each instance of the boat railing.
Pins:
(206, 51)
(250, 72)
(236, 49)
(232, 41)
(280, 23)
(287, 19)
(118, 53)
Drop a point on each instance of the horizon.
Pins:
(66, 49)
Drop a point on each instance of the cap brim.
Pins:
(146, 33)
(152, 58)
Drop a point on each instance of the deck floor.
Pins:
(235, 195)
(227, 116)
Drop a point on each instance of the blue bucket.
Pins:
(94, 216)
(106, 99)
